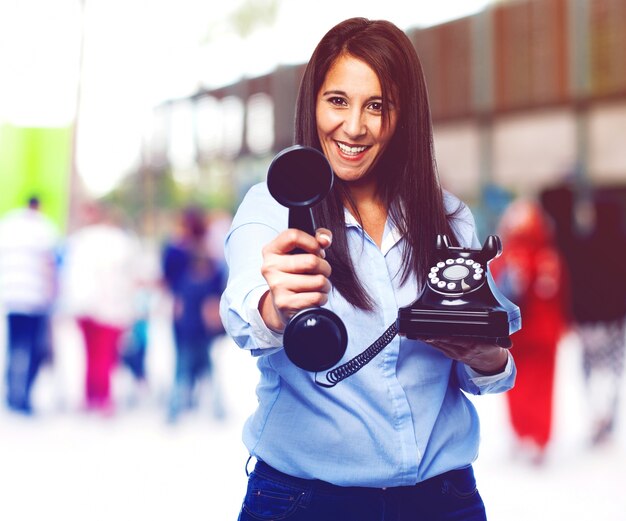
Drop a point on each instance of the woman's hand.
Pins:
(296, 281)
(482, 357)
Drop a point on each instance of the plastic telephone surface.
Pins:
(299, 178)
(460, 297)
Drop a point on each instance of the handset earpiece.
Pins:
(299, 177)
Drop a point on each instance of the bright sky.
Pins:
(138, 53)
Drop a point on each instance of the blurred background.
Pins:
(130, 131)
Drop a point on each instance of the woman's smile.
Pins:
(350, 120)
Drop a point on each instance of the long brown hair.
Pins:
(406, 173)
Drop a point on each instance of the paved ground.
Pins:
(67, 464)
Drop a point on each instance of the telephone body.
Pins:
(460, 297)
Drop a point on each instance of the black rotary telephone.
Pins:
(460, 297)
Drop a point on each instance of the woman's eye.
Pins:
(337, 101)
(376, 106)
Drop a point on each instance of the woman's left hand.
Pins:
(483, 357)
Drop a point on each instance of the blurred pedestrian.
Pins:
(599, 308)
(532, 273)
(28, 242)
(135, 341)
(99, 285)
(195, 281)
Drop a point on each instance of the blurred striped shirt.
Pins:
(27, 262)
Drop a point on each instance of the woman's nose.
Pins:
(354, 124)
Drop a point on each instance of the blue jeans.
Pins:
(272, 495)
(27, 345)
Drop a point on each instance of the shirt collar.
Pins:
(391, 234)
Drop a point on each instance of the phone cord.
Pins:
(334, 376)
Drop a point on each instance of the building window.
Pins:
(260, 123)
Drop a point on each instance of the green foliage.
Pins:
(144, 196)
(253, 14)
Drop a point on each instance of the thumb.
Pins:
(324, 237)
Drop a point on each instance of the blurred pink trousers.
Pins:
(101, 343)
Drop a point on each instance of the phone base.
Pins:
(494, 325)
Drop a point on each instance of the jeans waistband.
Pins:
(266, 470)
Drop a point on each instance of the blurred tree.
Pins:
(244, 20)
(143, 196)
(253, 14)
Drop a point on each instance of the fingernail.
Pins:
(327, 237)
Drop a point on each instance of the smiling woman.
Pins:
(350, 123)
(354, 131)
(402, 419)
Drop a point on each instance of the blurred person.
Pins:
(195, 281)
(532, 273)
(135, 341)
(599, 309)
(397, 438)
(99, 284)
(590, 233)
(28, 250)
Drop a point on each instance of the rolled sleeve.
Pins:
(246, 285)
(264, 336)
(244, 323)
(477, 383)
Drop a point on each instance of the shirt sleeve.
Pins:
(250, 231)
(476, 383)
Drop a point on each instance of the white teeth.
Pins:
(350, 150)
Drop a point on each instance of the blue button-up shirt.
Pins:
(402, 418)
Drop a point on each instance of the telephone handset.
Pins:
(460, 297)
(299, 178)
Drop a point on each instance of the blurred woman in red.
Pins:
(531, 273)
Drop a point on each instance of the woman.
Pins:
(396, 439)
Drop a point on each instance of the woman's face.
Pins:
(349, 118)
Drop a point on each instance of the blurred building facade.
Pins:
(525, 95)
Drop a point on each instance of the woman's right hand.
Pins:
(296, 281)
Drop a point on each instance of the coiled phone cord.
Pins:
(336, 375)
